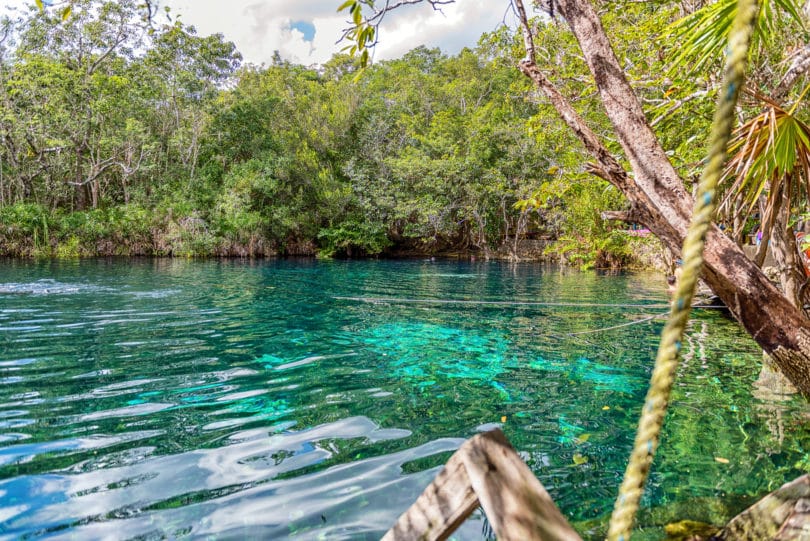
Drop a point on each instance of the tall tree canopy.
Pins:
(125, 137)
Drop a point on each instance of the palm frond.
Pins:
(766, 152)
(702, 36)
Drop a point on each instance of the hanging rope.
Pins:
(652, 414)
(394, 300)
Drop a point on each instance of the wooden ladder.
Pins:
(485, 471)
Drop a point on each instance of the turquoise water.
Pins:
(306, 399)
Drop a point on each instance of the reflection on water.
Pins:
(148, 398)
(215, 489)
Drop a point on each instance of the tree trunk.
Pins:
(81, 189)
(785, 251)
(660, 202)
(95, 188)
(737, 229)
(766, 227)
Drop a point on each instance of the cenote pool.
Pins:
(309, 399)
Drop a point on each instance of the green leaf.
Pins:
(702, 36)
(768, 151)
(346, 4)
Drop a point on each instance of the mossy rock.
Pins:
(689, 530)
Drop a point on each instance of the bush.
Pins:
(69, 249)
(25, 230)
(352, 237)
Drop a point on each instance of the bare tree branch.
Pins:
(798, 67)
(627, 216)
(379, 14)
(607, 166)
(677, 105)
(376, 19)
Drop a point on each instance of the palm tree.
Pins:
(703, 34)
(770, 168)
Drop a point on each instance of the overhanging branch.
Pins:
(627, 216)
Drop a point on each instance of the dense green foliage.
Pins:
(118, 138)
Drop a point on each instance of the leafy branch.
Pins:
(364, 30)
(701, 36)
(150, 8)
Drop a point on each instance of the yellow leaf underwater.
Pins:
(582, 438)
(721, 460)
(580, 459)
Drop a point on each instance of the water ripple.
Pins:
(47, 286)
(172, 398)
(101, 493)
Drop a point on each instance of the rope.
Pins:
(612, 327)
(654, 409)
(393, 300)
(390, 300)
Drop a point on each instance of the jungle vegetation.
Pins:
(122, 137)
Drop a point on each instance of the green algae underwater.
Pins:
(306, 399)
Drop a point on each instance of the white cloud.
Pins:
(11, 6)
(258, 28)
(456, 26)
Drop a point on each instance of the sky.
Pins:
(306, 31)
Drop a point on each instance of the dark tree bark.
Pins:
(660, 201)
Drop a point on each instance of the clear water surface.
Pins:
(273, 400)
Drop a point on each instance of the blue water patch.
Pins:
(569, 433)
(252, 403)
(605, 378)
(427, 351)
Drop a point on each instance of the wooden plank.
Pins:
(486, 469)
(782, 515)
(515, 502)
(443, 506)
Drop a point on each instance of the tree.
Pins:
(767, 171)
(185, 71)
(95, 103)
(771, 156)
(656, 193)
(68, 85)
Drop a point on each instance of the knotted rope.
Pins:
(666, 362)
